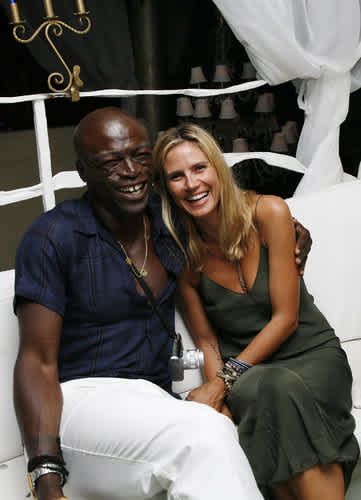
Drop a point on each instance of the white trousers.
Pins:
(129, 439)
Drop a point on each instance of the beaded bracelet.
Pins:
(232, 369)
(239, 365)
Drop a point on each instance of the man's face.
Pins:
(117, 165)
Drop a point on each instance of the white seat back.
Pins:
(333, 270)
(9, 434)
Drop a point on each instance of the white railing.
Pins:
(70, 179)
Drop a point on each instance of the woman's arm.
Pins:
(277, 232)
(190, 305)
(37, 393)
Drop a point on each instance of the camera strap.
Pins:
(153, 301)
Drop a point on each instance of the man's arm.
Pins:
(37, 393)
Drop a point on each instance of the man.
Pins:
(92, 367)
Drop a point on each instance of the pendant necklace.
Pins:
(240, 276)
(241, 279)
(142, 273)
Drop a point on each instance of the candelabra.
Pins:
(52, 25)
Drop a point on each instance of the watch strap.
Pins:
(41, 471)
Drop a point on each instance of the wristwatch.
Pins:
(42, 470)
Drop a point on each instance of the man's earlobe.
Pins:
(81, 170)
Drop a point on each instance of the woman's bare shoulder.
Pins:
(270, 207)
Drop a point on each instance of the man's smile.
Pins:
(134, 188)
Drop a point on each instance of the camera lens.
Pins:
(192, 359)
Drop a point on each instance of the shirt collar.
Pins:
(154, 211)
(88, 224)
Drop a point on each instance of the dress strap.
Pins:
(255, 219)
(255, 209)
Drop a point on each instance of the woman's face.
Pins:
(192, 181)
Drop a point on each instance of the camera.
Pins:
(181, 359)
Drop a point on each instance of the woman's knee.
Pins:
(280, 384)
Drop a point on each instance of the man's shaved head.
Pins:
(104, 122)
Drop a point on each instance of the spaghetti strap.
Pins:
(255, 219)
(256, 205)
(255, 209)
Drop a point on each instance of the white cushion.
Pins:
(357, 415)
(353, 351)
(13, 483)
(9, 433)
(333, 270)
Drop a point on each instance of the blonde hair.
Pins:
(235, 211)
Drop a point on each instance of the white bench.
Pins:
(333, 275)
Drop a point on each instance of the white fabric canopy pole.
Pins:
(318, 42)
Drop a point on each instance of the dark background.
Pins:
(132, 44)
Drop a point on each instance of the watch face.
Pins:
(34, 475)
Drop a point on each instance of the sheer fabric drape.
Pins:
(316, 43)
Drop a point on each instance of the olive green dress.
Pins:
(293, 410)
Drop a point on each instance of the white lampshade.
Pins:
(184, 106)
(271, 100)
(279, 144)
(197, 75)
(201, 109)
(263, 104)
(293, 126)
(227, 109)
(248, 71)
(289, 133)
(240, 145)
(221, 74)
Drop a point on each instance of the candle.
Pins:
(15, 15)
(81, 7)
(49, 9)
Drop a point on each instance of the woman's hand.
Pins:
(211, 393)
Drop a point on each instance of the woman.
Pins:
(269, 353)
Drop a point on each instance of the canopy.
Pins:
(315, 43)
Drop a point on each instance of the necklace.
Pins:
(142, 273)
(242, 281)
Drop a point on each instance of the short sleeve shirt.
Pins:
(70, 263)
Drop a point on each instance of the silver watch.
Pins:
(42, 470)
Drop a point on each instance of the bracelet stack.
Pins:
(46, 464)
(232, 369)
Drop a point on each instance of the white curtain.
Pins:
(316, 43)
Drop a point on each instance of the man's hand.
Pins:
(211, 393)
(303, 245)
(226, 411)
